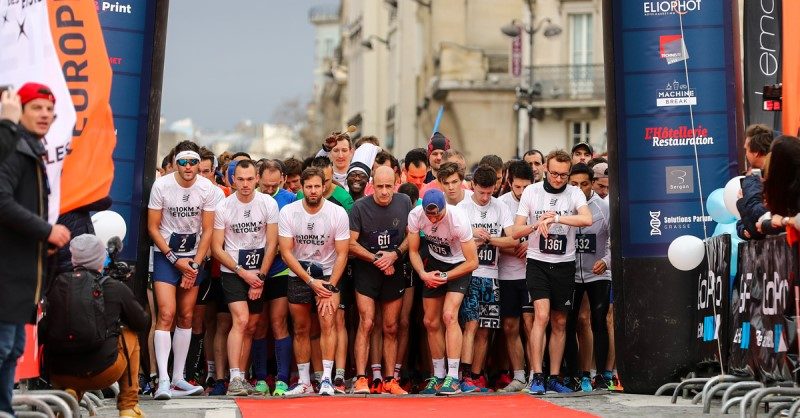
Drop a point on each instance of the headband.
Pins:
(187, 155)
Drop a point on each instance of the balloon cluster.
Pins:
(686, 252)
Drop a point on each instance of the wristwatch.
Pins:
(443, 275)
(398, 252)
(194, 265)
(331, 287)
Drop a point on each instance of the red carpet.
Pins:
(409, 407)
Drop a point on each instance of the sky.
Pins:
(234, 60)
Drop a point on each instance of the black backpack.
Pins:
(74, 313)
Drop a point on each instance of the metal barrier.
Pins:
(38, 405)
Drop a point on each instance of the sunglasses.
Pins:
(183, 162)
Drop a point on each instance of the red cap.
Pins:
(32, 91)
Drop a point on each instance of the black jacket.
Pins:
(8, 138)
(79, 222)
(23, 229)
(751, 207)
(121, 307)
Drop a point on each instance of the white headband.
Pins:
(187, 155)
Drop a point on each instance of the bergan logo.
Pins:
(670, 7)
(665, 136)
(676, 94)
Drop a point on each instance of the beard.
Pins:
(313, 201)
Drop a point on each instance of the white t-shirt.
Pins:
(181, 211)
(444, 237)
(315, 235)
(494, 218)
(245, 226)
(511, 267)
(559, 247)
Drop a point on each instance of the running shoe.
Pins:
(514, 386)
(555, 385)
(468, 386)
(326, 388)
(361, 387)
(218, 389)
(586, 384)
(237, 387)
(251, 390)
(210, 382)
(300, 389)
(536, 386)
(376, 387)
(481, 383)
(504, 380)
(184, 388)
(163, 392)
(450, 386)
(432, 387)
(338, 386)
(392, 387)
(262, 388)
(616, 384)
(280, 388)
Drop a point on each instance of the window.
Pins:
(580, 55)
(579, 131)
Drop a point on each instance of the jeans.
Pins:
(12, 344)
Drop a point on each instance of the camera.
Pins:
(116, 269)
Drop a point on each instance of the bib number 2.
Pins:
(182, 243)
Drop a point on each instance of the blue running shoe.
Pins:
(450, 386)
(586, 384)
(218, 389)
(469, 386)
(554, 385)
(536, 386)
(432, 387)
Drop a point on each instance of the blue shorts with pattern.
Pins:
(482, 303)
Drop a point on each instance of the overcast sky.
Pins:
(233, 60)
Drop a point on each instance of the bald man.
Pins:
(378, 242)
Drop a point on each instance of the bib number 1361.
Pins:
(553, 244)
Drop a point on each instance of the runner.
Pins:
(535, 158)
(313, 240)
(339, 148)
(180, 222)
(554, 208)
(378, 241)
(446, 274)
(480, 310)
(437, 145)
(246, 223)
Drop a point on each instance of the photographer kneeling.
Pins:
(90, 338)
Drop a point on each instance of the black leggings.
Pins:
(599, 294)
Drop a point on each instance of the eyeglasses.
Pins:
(558, 175)
(183, 162)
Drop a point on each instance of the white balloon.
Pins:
(108, 224)
(731, 195)
(686, 252)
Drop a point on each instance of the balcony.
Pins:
(565, 86)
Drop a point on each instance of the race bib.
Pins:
(313, 269)
(442, 250)
(382, 240)
(586, 243)
(182, 243)
(251, 259)
(487, 255)
(553, 244)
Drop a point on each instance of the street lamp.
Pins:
(530, 93)
(367, 43)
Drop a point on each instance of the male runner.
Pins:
(378, 241)
(535, 159)
(180, 223)
(446, 274)
(451, 178)
(582, 152)
(437, 145)
(246, 224)
(314, 238)
(554, 209)
(339, 148)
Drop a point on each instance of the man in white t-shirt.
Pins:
(554, 209)
(451, 179)
(245, 242)
(180, 222)
(480, 310)
(446, 274)
(313, 236)
(515, 300)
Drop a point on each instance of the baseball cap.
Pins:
(433, 202)
(33, 91)
(438, 141)
(600, 170)
(584, 145)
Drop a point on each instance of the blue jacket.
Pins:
(751, 207)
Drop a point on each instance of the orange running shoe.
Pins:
(392, 387)
(361, 387)
(376, 387)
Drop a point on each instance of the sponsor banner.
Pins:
(658, 224)
(762, 305)
(660, 93)
(667, 180)
(673, 136)
(655, 14)
(667, 49)
(790, 68)
(711, 311)
(762, 58)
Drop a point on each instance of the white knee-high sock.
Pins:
(180, 349)
(162, 345)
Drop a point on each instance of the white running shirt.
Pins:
(511, 268)
(245, 226)
(494, 218)
(315, 235)
(559, 247)
(181, 211)
(444, 237)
